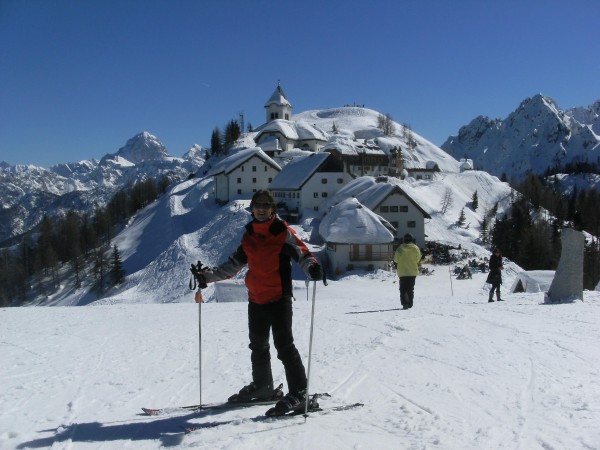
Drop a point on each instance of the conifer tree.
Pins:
(117, 273)
(475, 201)
(232, 133)
(484, 228)
(461, 218)
(100, 271)
(216, 144)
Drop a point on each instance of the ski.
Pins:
(316, 411)
(215, 406)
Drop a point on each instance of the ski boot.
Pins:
(252, 392)
(293, 404)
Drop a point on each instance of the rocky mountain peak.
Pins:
(143, 147)
(534, 137)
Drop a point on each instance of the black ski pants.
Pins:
(276, 316)
(495, 287)
(407, 291)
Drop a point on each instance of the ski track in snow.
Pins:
(453, 372)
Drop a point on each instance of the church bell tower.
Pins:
(278, 106)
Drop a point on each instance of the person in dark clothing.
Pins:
(267, 248)
(495, 276)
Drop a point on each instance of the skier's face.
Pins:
(262, 209)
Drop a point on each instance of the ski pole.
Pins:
(199, 300)
(451, 288)
(312, 321)
(307, 282)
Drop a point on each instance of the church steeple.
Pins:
(278, 106)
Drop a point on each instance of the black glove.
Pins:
(315, 271)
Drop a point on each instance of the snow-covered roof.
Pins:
(270, 143)
(278, 97)
(307, 131)
(431, 165)
(350, 146)
(349, 222)
(466, 164)
(295, 131)
(298, 171)
(370, 193)
(285, 127)
(533, 281)
(237, 159)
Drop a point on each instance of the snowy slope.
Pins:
(361, 123)
(452, 373)
(186, 225)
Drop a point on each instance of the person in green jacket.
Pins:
(407, 258)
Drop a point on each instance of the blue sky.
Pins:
(79, 78)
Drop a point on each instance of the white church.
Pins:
(280, 133)
(306, 169)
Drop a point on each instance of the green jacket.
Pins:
(407, 258)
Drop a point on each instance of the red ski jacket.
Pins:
(267, 249)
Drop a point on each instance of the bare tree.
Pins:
(386, 124)
(447, 200)
(408, 136)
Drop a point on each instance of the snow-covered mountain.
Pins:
(186, 224)
(453, 372)
(537, 135)
(29, 192)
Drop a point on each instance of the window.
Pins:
(265, 168)
(239, 191)
(404, 209)
(270, 179)
(340, 180)
(316, 195)
(239, 180)
(393, 209)
(323, 180)
(384, 209)
(323, 194)
(411, 224)
(242, 168)
(253, 168)
(254, 180)
(394, 224)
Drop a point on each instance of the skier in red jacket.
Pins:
(267, 247)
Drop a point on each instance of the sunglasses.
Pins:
(262, 205)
